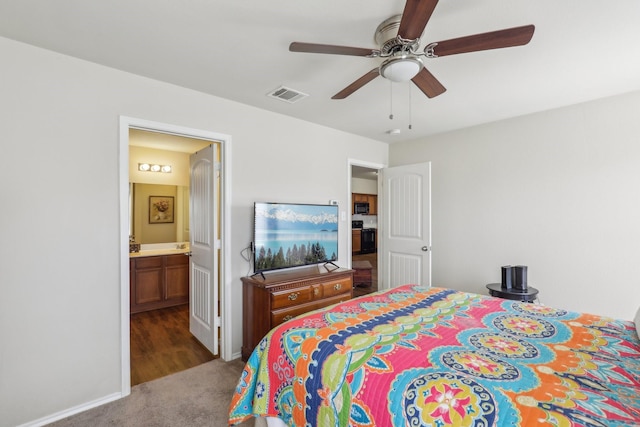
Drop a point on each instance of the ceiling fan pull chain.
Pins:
(410, 116)
(390, 100)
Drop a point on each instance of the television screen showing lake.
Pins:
(288, 235)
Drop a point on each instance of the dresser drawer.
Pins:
(336, 287)
(291, 297)
(268, 301)
(281, 316)
(333, 300)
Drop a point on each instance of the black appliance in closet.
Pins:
(368, 241)
(367, 237)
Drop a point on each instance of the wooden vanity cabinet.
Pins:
(177, 278)
(158, 282)
(281, 296)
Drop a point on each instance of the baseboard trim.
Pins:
(72, 411)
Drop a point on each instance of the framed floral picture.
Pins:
(160, 209)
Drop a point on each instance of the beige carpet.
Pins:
(196, 397)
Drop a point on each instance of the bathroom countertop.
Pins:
(157, 252)
(158, 249)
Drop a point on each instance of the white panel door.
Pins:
(203, 280)
(406, 225)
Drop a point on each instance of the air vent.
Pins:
(287, 95)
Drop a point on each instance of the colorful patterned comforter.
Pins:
(416, 356)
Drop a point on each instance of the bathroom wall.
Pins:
(144, 230)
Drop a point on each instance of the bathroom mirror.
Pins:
(147, 224)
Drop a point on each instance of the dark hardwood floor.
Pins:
(373, 259)
(161, 344)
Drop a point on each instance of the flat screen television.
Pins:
(291, 235)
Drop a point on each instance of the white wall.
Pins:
(365, 186)
(59, 261)
(558, 191)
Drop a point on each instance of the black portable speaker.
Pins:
(507, 277)
(520, 277)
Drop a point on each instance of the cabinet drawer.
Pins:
(281, 316)
(179, 259)
(333, 300)
(149, 262)
(336, 287)
(291, 297)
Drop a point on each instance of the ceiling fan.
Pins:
(399, 41)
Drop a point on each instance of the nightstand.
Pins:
(362, 273)
(496, 290)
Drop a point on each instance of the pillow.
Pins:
(636, 320)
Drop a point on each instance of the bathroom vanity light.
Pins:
(148, 167)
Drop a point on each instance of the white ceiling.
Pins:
(238, 49)
(364, 173)
(164, 141)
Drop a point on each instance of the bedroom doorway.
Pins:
(173, 343)
(363, 250)
(403, 222)
(161, 341)
(406, 225)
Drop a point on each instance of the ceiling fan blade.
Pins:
(517, 36)
(357, 84)
(415, 16)
(428, 83)
(330, 49)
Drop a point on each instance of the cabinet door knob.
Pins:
(293, 296)
(287, 317)
(337, 286)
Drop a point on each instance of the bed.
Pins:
(417, 356)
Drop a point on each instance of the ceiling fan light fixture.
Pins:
(401, 69)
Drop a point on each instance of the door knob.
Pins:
(425, 248)
(188, 253)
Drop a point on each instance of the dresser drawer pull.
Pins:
(293, 296)
(337, 286)
(287, 317)
(316, 291)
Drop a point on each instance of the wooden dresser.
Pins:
(283, 295)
